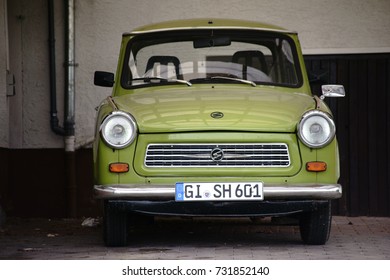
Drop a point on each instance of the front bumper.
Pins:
(167, 192)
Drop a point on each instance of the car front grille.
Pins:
(218, 155)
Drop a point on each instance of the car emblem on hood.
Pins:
(216, 115)
(217, 154)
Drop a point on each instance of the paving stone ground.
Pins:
(352, 238)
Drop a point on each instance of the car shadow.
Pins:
(212, 232)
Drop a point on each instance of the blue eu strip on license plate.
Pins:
(219, 191)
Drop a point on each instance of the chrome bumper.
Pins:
(167, 192)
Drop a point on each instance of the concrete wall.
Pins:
(28, 108)
(325, 26)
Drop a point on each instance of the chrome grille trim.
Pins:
(234, 155)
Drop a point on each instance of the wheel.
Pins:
(114, 226)
(315, 225)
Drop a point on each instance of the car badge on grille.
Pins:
(217, 115)
(217, 154)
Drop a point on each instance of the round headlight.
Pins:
(316, 129)
(118, 130)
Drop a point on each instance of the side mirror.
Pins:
(103, 79)
(332, 91)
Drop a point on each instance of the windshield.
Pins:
(211, 56)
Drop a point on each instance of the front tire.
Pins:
(114, 226)
(315, 225)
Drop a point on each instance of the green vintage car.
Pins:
(214, 118)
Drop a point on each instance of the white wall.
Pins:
(28, 109)
(324, 26)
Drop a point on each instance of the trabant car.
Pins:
(214, 118)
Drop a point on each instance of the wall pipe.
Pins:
(69, 122)
(54, 122)
(68, 131)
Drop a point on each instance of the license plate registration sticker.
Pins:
(219, 191)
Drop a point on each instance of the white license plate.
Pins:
(219, 191)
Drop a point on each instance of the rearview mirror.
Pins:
(212, 42)
(332, 91)
(103, 79)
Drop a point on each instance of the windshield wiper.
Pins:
(253, 84)
(151, 79)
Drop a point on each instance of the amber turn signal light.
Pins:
(119, 167)
(316, 166)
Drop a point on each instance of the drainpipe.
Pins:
(54, 122)
(68, 131)
(69, 122)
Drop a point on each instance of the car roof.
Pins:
(191, 24)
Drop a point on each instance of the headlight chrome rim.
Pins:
(118, 122)
(326, 120)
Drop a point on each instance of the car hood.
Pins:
(182, 109)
